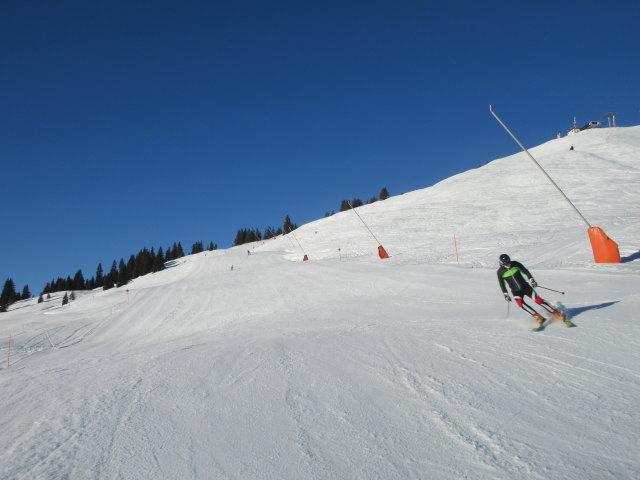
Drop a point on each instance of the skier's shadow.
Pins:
(632, 257)
(574, 312)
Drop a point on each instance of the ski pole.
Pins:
(551, 289)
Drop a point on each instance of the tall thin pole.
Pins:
(296, 238)
(367, 226)
(539, 166)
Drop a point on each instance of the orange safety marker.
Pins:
(382, 252)
(605, 250)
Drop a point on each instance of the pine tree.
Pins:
(158, 262)
(40, 299)
(288, 225)
(78, 281)
(143, 263)
(152, 260)
(65, 299)
(72, 297)
(132, 268)
(172, 252)
(269, 233)
(240, 238)
(8, 295)
(197, 247)
(122, 274)
(112, 277)
(26, 294)
(344, 206)
(356, 202)
(384, 194)
(99, 277)
(212, 247)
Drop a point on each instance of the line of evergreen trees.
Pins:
(248, 235)
(9, 294)
(120, 273)
(146, 261)
(356, 202)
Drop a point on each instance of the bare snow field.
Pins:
(352, 367)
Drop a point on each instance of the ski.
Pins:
(543, 325)
(540, 326)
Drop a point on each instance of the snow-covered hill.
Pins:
(236, 366)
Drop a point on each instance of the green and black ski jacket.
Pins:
(512, 276)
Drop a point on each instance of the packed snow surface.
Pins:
(348, 366)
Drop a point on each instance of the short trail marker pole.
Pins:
(9, 353)
(455, 243)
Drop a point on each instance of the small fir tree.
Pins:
(26, 293)
(8, 295)
(78, 281)
(99, 276)
(288, 225)
(122, 274)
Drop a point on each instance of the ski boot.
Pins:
(539, 320)
(566, 322)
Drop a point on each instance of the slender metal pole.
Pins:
(354, 211)
(539, 166)
(296, 238)
(551, 289)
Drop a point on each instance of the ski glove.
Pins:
(534, 284)
(507, 297)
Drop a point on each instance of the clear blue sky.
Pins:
(126, 124)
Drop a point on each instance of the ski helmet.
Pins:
(504, 258)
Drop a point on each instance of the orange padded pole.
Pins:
(604, 249)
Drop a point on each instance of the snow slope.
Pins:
(348, 366)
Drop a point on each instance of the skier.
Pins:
(511, 273)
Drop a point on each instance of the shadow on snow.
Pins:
(632, 257)
(574, 312)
